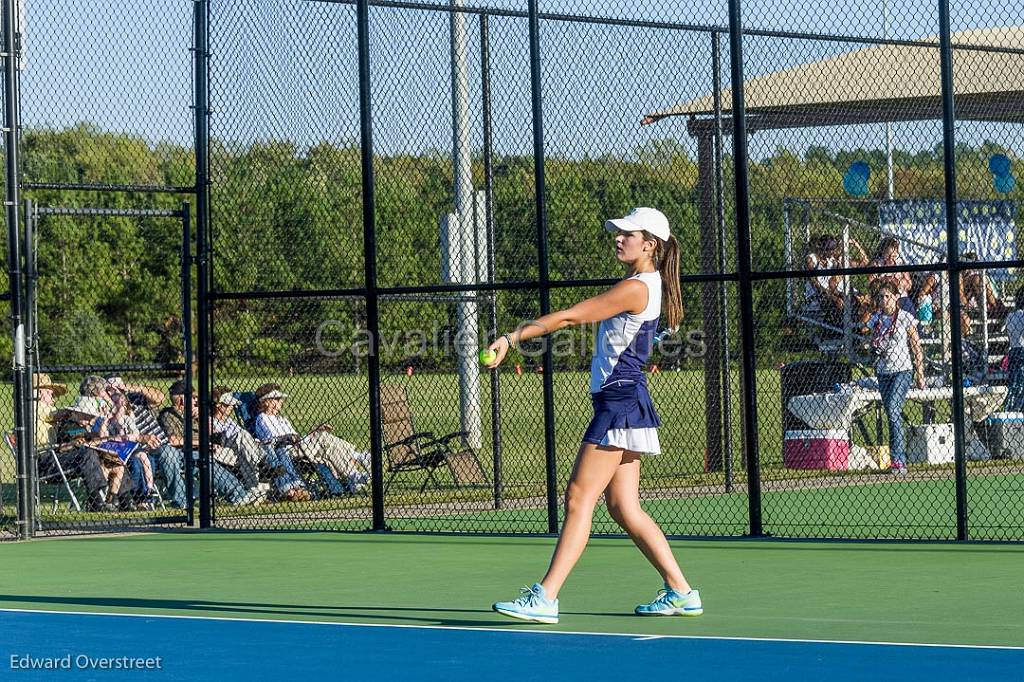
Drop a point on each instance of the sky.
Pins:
(287, 69)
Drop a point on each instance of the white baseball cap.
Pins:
(273, 395)
(649, 220)
(228, 398)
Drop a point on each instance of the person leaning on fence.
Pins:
(248, 454)
(1014, 327)
(340, 456)
(172, 420)
(72, 460)
(78, 424)
(897, 347)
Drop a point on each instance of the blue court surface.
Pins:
(100, 646)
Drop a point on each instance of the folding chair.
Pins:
(409, 450)
(49, 470)
(463, 462)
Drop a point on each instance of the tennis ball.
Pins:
(487, 356)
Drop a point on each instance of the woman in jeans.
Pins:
(897, 346)
(1014, 328)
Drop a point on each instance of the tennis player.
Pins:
(625, 424)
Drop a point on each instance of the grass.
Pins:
(822, 503)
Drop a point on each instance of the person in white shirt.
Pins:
(824, 252)
(897, 347)
(320, 446)
(238, 448)
(624, 426)
(1014, 327)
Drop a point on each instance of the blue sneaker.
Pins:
(671, 603)
(532, 605)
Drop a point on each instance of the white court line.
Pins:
(633, 635)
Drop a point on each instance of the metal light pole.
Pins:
(458, 233)
(891, 187)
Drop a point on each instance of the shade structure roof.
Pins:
(882, 83)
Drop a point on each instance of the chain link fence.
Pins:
(841, 371)
(105, 338)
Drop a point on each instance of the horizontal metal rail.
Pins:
(395, 292)
(108, 369)
(117, 212)
(97, 187)
(677, 26)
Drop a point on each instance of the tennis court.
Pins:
(399, 606)
(313, 215)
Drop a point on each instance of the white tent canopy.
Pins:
(884, 83)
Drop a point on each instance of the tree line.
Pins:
(284, 218)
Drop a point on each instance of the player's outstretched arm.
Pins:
(629, 295)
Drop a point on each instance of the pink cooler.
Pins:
(816, 450)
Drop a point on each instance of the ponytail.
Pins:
(666, 256)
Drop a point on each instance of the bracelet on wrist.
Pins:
(508, 340)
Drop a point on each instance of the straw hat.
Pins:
(42, 380)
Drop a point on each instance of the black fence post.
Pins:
(723, 287)
(202, 120)
(11, 107)
(485, 88)
(748, 389)
(370, 261)
(953, 259)
(186, 329)
(28, 391)
(540, 197)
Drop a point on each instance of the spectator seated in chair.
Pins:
(238, 448)
(74, 461)
(927, 299)
(888, 255)
(824, 252)
(124, 423)
(172, 460)
(975, 287)
(80, 425)
(163, 456)
(318, 446)
(1014, 328)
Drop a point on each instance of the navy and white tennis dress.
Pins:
(624, 415)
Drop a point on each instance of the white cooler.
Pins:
(1006, 435)
(930, 444)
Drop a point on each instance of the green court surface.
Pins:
(826, 506)
(852, 591)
